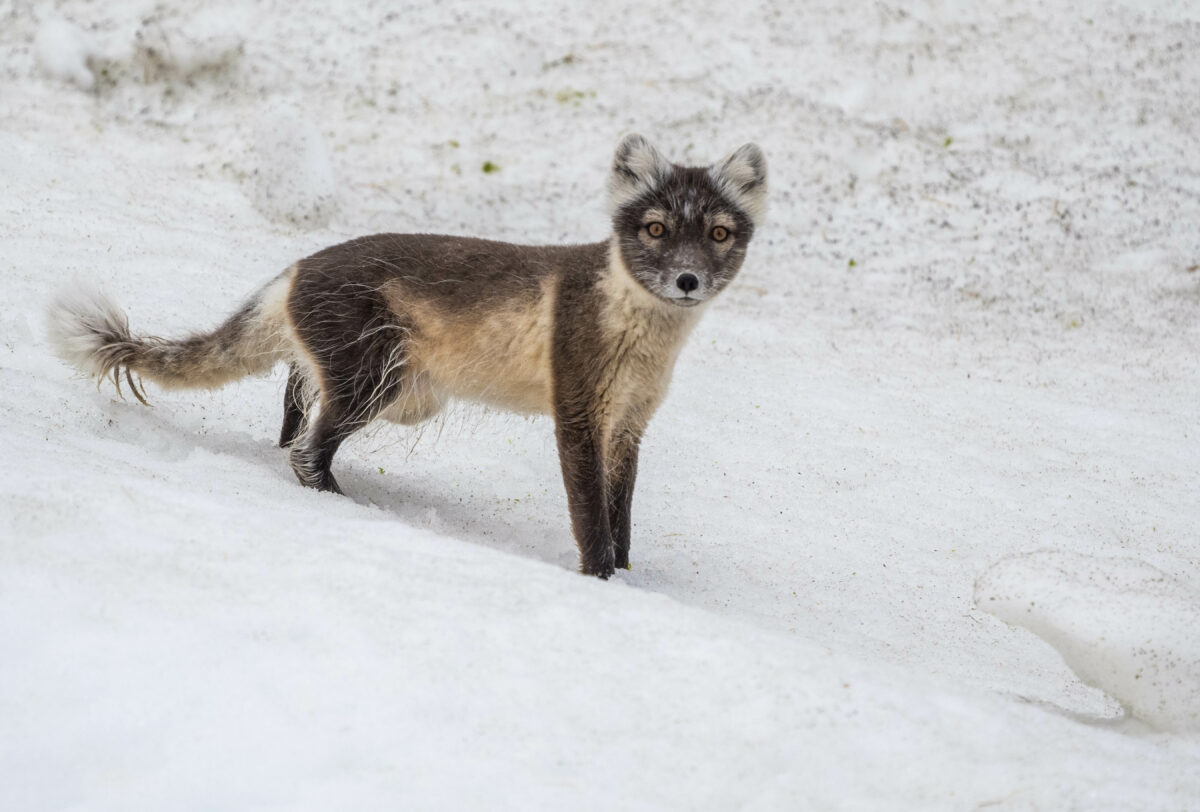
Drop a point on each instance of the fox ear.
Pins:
(636, 169)
(742, 178)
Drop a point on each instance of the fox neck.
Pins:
(645, 335)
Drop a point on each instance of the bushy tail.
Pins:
(92, 334)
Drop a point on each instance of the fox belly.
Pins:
(500, 356)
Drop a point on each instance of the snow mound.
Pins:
(1121, 625)
(171, 46)
(64, 50)
(293, 179)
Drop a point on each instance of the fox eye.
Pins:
(656, 229)
(720, 234)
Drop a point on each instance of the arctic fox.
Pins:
(393, 325)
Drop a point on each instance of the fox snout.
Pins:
(688, 276)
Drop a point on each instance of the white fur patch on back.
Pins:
(742, 178)
(273, 326)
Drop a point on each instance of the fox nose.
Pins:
(687, 282)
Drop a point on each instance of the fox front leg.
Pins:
(587, 493)
(622, 473)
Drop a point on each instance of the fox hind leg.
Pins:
(338, 417)
(312, 457)
(359, 379)
(294, 412)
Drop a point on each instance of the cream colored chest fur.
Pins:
(646, 336)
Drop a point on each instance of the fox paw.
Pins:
(602, 566)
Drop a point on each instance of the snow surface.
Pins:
(63, 52)
(1122, 625)
(967, 331)
(293, 176)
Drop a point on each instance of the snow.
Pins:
(1009, 365)
(293, 176)
(1122, 625)
(63, 52)
(177, 45)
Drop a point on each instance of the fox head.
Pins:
(683, 231)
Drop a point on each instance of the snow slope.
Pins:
(968, 331)
(1122, 625)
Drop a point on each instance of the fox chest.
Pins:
(635, 382)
